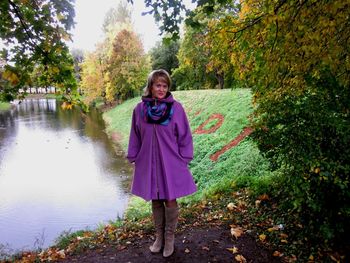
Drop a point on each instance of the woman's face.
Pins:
(159, 89)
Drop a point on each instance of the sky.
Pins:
(89, 17)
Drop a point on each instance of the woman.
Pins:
(161, 146)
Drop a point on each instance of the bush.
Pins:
(308, 134)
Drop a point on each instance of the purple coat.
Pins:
(161, 155)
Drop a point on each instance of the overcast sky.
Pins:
(89, 17)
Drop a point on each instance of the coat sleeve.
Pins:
(184, 136)
(134, 140)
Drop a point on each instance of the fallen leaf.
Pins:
(237, 232)
(274, 228)
(262, 237)
(264, 197)
(61, 254)
(241, 205)
(283, 235)
(292, 258)
(205, 248)
(334, 259)
(119, 248)
(277, 254)
(240, 258)
(231, 206)
(233, 250)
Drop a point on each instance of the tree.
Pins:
(78, 58)
(295, 56)
(117, 16)
(114, 69)
(169, 15)
(128, 66)
(204, 61)
(193, 60)
(34, 33)
(164, 55)
(92, 77)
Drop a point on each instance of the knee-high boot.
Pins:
(158, 211)
(171, 218)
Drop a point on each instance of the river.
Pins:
(59, 172)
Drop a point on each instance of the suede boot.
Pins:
(171, 218)
(158, 211)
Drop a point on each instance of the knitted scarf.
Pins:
(157, 112)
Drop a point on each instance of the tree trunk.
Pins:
(220, 79)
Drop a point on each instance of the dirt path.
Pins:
(192, 245)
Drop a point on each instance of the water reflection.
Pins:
(58, 171)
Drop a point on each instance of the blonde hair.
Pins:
(153, 76)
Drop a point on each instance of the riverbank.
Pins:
(41, 96)
(4, 106)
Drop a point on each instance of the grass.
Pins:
(4, 106)
(240, 166)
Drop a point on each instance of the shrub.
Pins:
(308, 134)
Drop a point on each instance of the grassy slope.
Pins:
(240, 166)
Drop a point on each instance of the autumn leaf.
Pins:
(61, 254)
(119, 248)
(236, 232)
(257, 203)
(263, 197)
(231, 206)
(233, 250)
(66, 105)
(277, 254)
(271, 229)
(283, 236)
(11, 77)
(205, 248)
(240, 258)
(262, 237)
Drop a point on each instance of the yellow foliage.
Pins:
(11, 77)
(66, 105)
(92, 79)
(297, 37)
